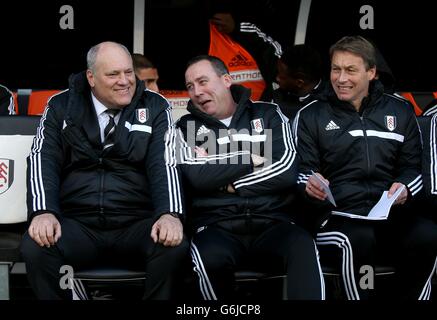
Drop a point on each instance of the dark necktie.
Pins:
(109, 129)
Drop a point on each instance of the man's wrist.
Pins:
(173, 214)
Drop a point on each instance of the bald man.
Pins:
(107, 190)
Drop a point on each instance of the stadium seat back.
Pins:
(38, 101)
(419, 100)
(16, 136)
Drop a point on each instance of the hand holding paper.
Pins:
(325, 187)
(402, 197)
(382, 209)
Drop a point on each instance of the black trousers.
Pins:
(265, 245)
(81, 246)
(404, 241)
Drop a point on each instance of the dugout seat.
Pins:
(16, 135)
(249, 278)
(420, 100)
(102, 275)
(339, 285)
(333, 280)
(33, 102)
(430, 109)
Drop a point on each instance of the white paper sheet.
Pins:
(325, 188)
(381, 209)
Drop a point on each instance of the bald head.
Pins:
(92, 54)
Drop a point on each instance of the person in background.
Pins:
(264, 50)
(146, 71)
(293, 75)
(299, 78)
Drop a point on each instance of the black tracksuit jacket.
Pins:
(69, 173)
(360, 153)
(256, 127)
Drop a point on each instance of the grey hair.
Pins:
(91, 56)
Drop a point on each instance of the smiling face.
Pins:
(350, 78)
(112, 79)
(209, 91)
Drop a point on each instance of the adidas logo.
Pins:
(239, 60)
(331, 126)
(202, 130)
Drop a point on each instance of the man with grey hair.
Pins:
(103, 187)
(365, 145)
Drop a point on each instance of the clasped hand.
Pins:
(167, 230)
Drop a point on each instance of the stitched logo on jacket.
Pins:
(240, 60)
(390, 122)
(202, 130)
(142, 115)
(331, 126)
(257, 125)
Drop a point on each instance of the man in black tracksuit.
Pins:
(103, 187)
(362, 142)
(239, 162)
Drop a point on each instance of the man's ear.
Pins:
(371, 73)
(299, 80)
(227, 79)
(90, 78)
(300, 83)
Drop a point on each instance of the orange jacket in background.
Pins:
(242, 66)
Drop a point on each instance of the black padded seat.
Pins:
(9, 246)
(109, 274)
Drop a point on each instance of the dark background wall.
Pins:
(178, 30)
(36, 53)
(403, 32)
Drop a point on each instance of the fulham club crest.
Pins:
(257, 125)
(6, 174)
(390, 122)
(142, 115)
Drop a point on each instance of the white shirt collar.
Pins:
(100, 107)
(227, 121)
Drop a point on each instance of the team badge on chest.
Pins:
(142, 115)
(257, 125)
(390, 122)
